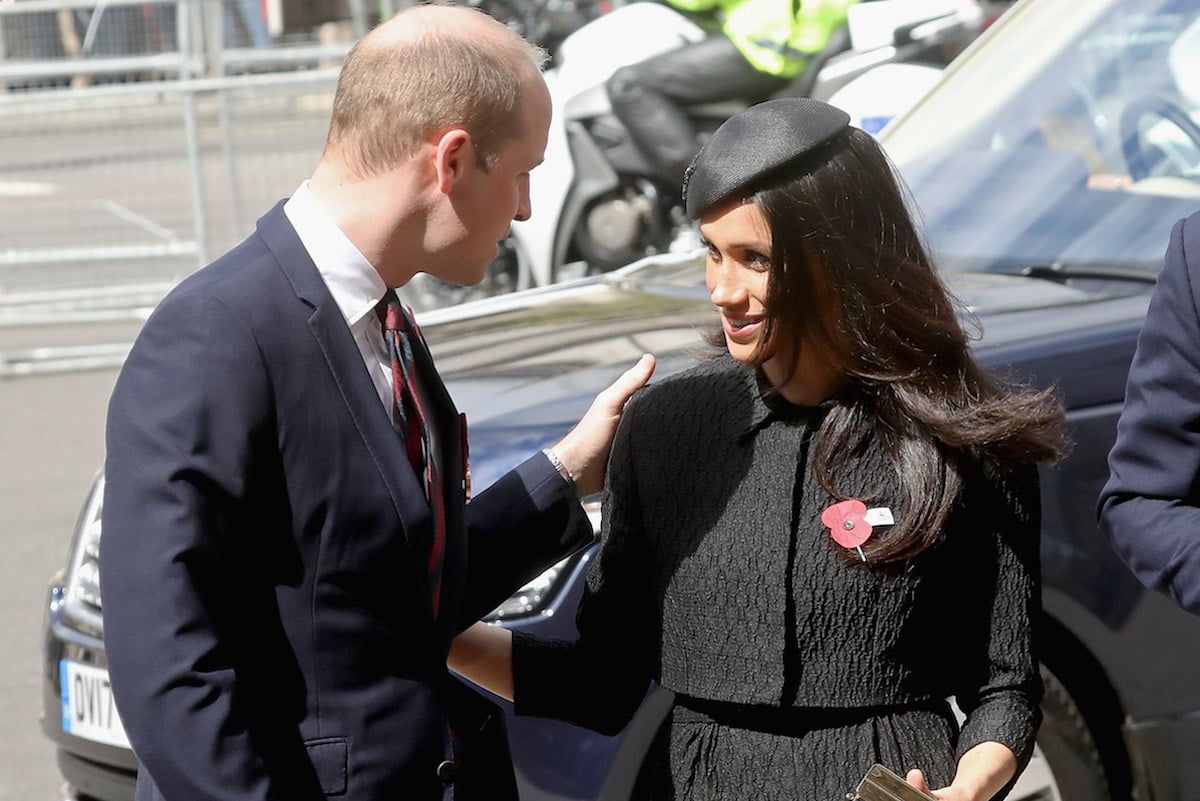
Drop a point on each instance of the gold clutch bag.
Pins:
(881, 784)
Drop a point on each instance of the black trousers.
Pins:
(651, 96)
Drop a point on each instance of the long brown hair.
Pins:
(851, 278)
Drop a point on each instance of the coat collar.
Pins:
(766, 405)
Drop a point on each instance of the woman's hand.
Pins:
(982, 771)
(917, 779)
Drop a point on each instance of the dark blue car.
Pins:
(1048, 166)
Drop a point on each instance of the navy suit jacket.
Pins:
(268, 624)
(1150, 507)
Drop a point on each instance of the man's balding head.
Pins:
(427, 69)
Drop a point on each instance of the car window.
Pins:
(1067, 135)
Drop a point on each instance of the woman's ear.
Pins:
(451, 159)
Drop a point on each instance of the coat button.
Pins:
(446, 771)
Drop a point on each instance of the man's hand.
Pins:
(584, 450)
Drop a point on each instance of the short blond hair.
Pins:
(402, 83)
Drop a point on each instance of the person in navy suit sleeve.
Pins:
(1150, 506)
(271, 629)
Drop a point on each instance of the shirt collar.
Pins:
(767, 405)
(353, 282)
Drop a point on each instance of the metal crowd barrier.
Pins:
(122, 172)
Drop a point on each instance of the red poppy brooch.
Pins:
(850, 523)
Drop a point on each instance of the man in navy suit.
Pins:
(271, 628)
(1150, 507)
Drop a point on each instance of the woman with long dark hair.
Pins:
(819, 536)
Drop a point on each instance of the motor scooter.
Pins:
(597, 203)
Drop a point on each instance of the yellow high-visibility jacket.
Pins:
(776, 36)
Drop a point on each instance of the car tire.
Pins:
(1068, 747)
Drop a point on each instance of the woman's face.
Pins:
(736, 269)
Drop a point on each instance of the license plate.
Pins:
(88, 710)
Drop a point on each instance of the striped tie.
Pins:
(400, 333)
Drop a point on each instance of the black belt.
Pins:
(792, 721)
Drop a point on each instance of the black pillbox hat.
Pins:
(755, 142)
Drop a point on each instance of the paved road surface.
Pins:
(51, 443)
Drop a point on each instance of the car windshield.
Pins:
(1064, 138)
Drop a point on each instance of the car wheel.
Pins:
(1066, 765)
(1037, 782)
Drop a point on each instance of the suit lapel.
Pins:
(354, 385)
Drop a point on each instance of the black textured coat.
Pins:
(796, 666)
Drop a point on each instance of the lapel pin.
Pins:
(851, 523)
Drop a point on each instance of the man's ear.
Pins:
(454, 149)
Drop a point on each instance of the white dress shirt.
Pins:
(352, 280)
(356, 287)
